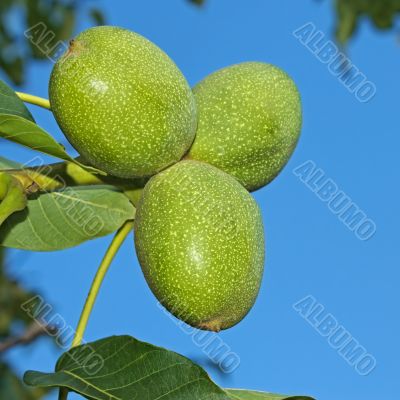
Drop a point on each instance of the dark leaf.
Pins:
(59, 18)
(27, 133)
(14, 68)
(123, 368)
(63, 219)
(11, 388)
(10, 103)
(12, 196)
(97, 16)
(350, 13)
(12, 296)
(68, 21)
(197, 2)
(347, 20)
(8, 164)
(252, 395)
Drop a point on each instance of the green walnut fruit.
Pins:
(122, 102)
(200, 242)
(249, 122)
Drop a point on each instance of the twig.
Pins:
(34, 331)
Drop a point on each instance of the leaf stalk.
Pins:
(31, 99)
(111, 252)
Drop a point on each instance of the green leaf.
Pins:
(197, 2)
(14, 67)
(10, 103)
(97, 15)
(66, 30)
(123, 368)
(12, 296)
(11, 388)
(347, 20)
(12, 196)
(5, 163)
(252, 395)
(27, 133)
(67, 218)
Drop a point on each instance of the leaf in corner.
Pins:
(10, 103)
(59, 220)
(236, 394)
(12, 196)
(5, 164)
(28, 134)
(97, 15)
(197, 2)
(124, 368)
(11, 387)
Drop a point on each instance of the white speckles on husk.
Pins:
(200, 242)
(122, 102)
(249, 121)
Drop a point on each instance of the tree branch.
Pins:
(34, 331)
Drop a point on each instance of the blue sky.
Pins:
(310, 251)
